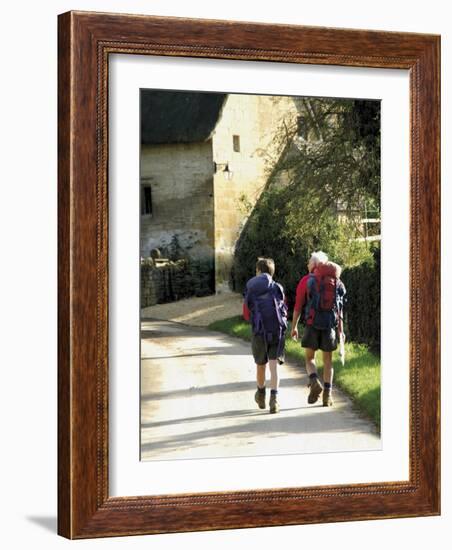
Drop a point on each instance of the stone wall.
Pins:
(174, 281)
(181, 179)
(202, 193)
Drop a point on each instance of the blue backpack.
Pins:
(265, 300)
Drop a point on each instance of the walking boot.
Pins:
(327, 397)
(259, 397)
(315, 391)
(274, 405)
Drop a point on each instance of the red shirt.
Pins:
(301, 294)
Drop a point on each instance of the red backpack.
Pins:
(325, 298)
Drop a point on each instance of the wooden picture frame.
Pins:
(85, 42)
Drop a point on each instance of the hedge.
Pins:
(363, 306)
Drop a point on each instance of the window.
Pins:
(236, 144)
(146, 200)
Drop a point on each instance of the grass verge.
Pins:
(359, 377)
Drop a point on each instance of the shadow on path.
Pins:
(182, 400)
(210, 390)
(243, 413)
(272, 427)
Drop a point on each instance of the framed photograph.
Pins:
(199, 162)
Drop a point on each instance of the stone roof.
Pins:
(169, 116)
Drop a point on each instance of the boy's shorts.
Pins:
(313, 338)
(264, 351)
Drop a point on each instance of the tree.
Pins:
(332, 154)
(327, 173)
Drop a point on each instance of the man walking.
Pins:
(319, 299)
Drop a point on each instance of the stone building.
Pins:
(204, 156)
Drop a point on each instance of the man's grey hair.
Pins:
(319, 257)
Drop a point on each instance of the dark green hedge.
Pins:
(362, 313)
(363, 308)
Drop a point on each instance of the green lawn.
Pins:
(359, 377)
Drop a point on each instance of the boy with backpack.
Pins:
(265, 304)
(319, 303)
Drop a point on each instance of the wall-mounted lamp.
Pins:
(223, 167)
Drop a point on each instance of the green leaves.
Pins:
(326, 178)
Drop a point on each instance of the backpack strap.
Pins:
(311, 288)
(277, 288)
(256, 316)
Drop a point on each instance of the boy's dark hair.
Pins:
(266, 265)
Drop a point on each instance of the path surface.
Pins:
(198, 312)
(197, 390)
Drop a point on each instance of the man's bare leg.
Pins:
(310, 361)
(314, 383)
(328, 370)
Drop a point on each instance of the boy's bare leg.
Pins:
(260, 375)
(274, 385)
(274, 377)
(328, 373)
(259, 396)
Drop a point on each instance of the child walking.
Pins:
(265, 304)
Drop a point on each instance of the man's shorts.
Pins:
(313, 338)
(263, 351)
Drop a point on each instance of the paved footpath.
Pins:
(197, 396)
(197, 312)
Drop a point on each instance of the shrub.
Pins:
(289, 233)
(362, 312)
